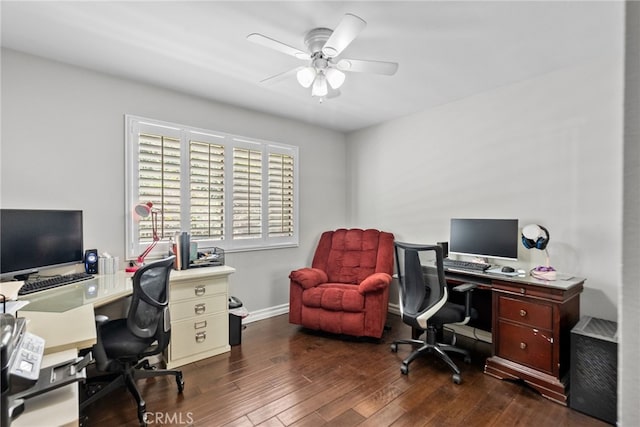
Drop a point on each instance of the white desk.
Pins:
(55, 408)
(64, 317)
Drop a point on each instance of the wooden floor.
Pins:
(282, 375)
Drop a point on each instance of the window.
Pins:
(225, 190)
(281, 196)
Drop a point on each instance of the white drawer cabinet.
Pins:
(199, 314)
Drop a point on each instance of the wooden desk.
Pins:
(531, 323)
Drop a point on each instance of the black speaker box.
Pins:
(594, 368)
(91, 261)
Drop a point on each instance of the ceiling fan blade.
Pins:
(363, 66)
(276, 45)
(281, 76)
(348, 29)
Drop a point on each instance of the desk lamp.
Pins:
(535, 236)
(143, 210)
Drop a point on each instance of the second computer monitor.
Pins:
(484, 238)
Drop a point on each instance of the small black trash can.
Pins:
(235, 322)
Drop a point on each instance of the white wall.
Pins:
(63, 147)
(547, 150)
(628, 336)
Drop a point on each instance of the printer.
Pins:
(21, 354)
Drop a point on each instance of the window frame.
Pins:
(134, 125)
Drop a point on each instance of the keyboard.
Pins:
(465, 265)
(52, 282)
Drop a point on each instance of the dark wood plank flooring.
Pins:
(283, 375)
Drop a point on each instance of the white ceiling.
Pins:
(447, 50)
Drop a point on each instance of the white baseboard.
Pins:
(471, 332)
(393, 308)
(464, 330)
(265, 313)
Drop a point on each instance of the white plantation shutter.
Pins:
(281, 195)
(159, 183)
(247, 194)
(224, 190)
(206, 190)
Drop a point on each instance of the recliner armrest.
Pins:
(309, 277)
(374, 282)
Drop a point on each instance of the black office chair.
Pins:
(124, 344)
(424, 303)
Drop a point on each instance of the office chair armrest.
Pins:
(465, 287)
(374, 282)
(98, 351)
(101, 319)
(309, 277)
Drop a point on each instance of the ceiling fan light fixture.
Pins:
(320, 86)
(306, 76)
(335, 77)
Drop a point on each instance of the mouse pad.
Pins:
(498, 270)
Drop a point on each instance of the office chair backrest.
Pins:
(421, 279)
(150, 301)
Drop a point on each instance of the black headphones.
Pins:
(540, 243)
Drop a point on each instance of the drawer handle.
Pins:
(200, 325)
(200, 308)
(523, 313)
(200, 290)
(523, 346)
(523, 291)
(201, 336)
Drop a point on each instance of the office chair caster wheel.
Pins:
(404, 369)
(457, 379)
(147, 366)
(142, 417)
(394, 347)
(180, 383)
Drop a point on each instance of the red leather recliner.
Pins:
(346, 290)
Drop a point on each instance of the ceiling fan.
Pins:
(325, 71)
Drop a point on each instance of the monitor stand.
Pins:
(25, 276)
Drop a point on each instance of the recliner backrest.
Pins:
(351, 255)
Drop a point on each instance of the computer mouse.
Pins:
(507, 269)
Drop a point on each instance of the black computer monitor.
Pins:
(32, 239)
(484, 238)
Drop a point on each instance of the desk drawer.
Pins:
(530, 313)
(198, 307)
(189, 337)
(528, 346)
(551, 294)
(198, 288)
